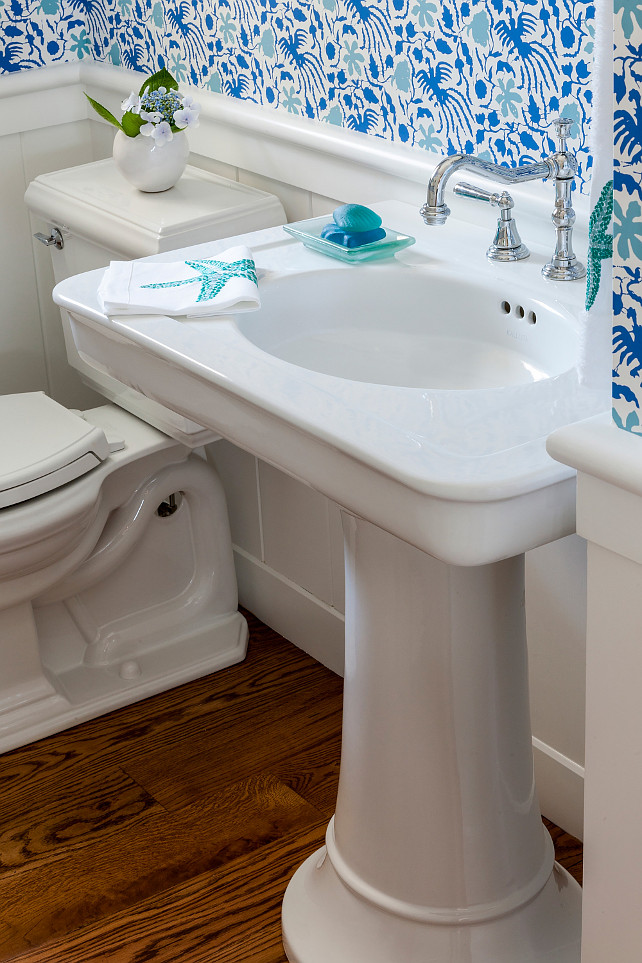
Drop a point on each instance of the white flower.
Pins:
(162, 133)
(131, 103)
(187, 116)
(153, 118)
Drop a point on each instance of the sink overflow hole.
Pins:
(519, 311)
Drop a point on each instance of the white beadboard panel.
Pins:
(556, 631)
(213, 166)
(296, 202)
(54, 148)
(560, 788)
(238, 473)
(22, 360)
(102, 137)
(337, 558)
(296, 536)
(296, 615)
(323, 205)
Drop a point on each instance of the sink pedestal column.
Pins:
(437, 852)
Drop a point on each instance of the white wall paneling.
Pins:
(238, 472)
(22, 358)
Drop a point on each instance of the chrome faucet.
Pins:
(561, 166)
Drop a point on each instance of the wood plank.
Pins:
(223, 753)
(119, 871)
(568, 850)
(314, 773)
(223, 916)
(44, 830)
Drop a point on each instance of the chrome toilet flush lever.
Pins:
(560, 166)
(507, 245)
(55, 239)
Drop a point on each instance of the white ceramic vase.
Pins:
(149, 166)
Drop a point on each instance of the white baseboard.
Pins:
(560, 787)
(298, 616)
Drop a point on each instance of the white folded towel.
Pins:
(191, 288)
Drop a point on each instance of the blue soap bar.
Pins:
(351, 238)
(356, 217)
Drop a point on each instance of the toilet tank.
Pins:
(102, 218)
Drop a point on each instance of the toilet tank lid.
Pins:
(43, 446)
(93, 201)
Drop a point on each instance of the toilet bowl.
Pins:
(86, 623)
(116, 570)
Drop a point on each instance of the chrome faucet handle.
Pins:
(562, 127)
(477, 193)
(507, 245)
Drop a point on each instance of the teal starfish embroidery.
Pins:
(213, 276)
(600, 243)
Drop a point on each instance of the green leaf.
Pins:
(104, 113)
(132, 123)
(161, 78)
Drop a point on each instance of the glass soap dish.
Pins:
(309, 232)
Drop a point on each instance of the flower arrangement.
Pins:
(158, 110)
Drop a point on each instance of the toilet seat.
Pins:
(43, 446)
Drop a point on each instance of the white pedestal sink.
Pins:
(437, 852)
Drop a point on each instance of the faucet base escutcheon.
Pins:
(571, 271)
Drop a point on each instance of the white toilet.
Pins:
(116, 569)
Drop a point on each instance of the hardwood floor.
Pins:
(168, 830)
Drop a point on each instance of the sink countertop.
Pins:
(474, 446)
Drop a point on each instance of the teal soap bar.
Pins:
(355, 217)
(353, 225)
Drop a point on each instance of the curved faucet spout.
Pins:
(435, 210)
(561, 166)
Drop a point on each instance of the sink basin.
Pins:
(403, 389)
(397, 324)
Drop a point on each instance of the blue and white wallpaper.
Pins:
(627, 211)
(36, 33)
(446, 75)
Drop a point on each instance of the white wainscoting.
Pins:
(287, 538)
